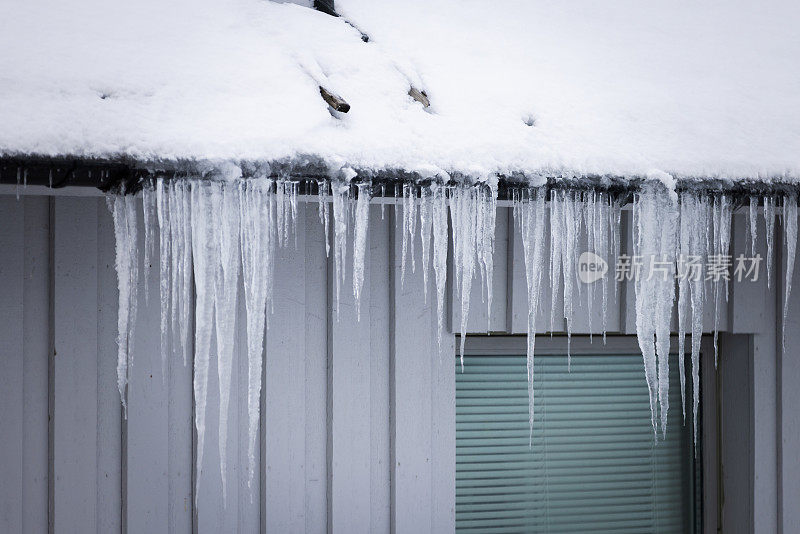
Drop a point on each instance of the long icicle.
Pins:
(648, 209)
(124, 215)
(722, 211)
(790, 240)
(683, 294)
(360, 230)
(205, 253)
(255, 224)
(425, 228)
(440, 244)
(530, 215)
(225, 202)
(149, 219)
(164, 263)
(341, 201)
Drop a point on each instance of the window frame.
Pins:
(709, 410)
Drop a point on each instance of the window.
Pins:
(594, 464)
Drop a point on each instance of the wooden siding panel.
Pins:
(350, 432)
(284, 390)
(788, 431)
(754, 310)
(379, 317)
(110, 499)
(12, 240)
(414, 328)
(75, 368)
(751, 303)
(443, 433)
(36, 357)
(316, 369)
(146, 428)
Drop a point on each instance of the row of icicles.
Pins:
(210, 233)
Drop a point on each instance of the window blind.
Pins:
(594, 464)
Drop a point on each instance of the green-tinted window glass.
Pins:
(594, 465)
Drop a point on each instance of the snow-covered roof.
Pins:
(622, 88)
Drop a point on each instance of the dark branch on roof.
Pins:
(334, 101)
(419, 96)
(328, 7)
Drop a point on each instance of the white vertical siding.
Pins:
(285, 392)
(788, 389)
(11, 366)
(110, 432)
(357, 427)
(75, 397)
(350, 400)
(379, 259)
(316, 380)
(36, 350)
(146, 431)
(412, 329)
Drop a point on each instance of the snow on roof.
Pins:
(623, 88)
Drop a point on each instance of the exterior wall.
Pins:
(343, 447)
(357, 421)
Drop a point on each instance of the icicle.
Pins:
(614, 223)
(656, 213)
(206, 254)
(698, 213)
(166, 259)
(683, 293)
(556, 240)
(341, 191)
(125, 232)
(383, 197)
(148, 212)
(569, 247)
(589, 214)
(753, 217)
(225, 205)
(665, 301)
(790, 234)
(326, 219)
(722, 212)
(602, 244)
(487, 219)
(425, 223)
(409, 227)
(183, 197)
(691, 248)
(769, 221)
(530, 217)
(440, 253)
(463, 207)
(294, 187)
(254, 225)
(360, 243)
(174, 219)
(281, 215)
